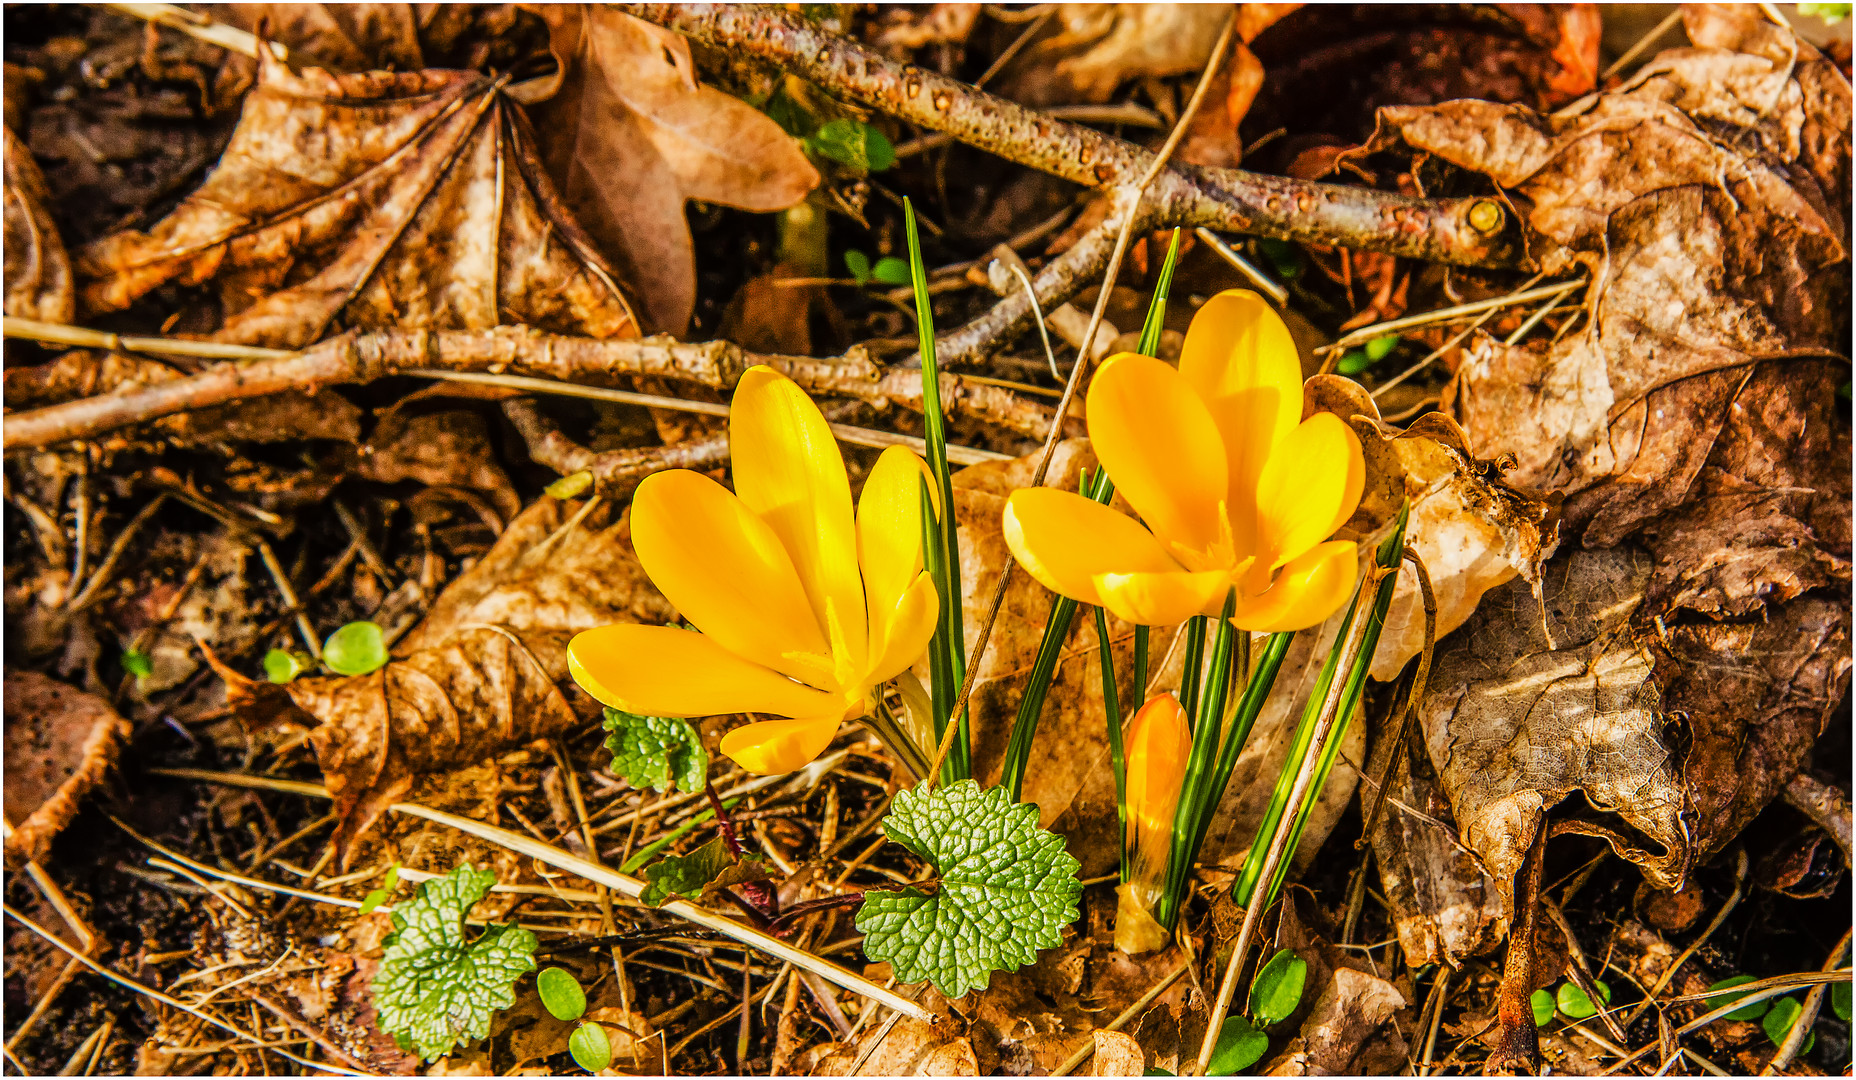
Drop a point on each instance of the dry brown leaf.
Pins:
(448, 449)
(1694, 404)
(1132, 40)
(339, 37)
(909, 27)
(631, 136)
(38, 274)
(1116, 1055)
(483, 672)
(1211, 138)
(60, 744)
(372, 201)
(1343, 1034)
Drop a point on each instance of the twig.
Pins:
(1271, 288)
(197, 25)
(1743, 995)
(120, 545)
(600, 875)
(1229, 200)
(1733, 898)
(519, 350)
(1440, 990)
(1643, 43)
(1823, 803)
(1581, 972)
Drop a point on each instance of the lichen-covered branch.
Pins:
(360, 358)
(1232, 200)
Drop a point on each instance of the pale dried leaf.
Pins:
(1348, 1031)
(1136, 40)
(60, 743)
(38, 274)
(631, 136)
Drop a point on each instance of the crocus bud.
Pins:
(1157, 744)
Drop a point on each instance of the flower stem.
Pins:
(1111, 707)
(1194, 796)
(883, 722)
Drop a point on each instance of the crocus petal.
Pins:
(725, 570)
(1064, 540)
(1243, 364)
(780, 746)
(1161, 448)
(905, 631)
(1161, 599)
(889, 534)
(666, 671)
(1308, 590)
(788, 469)
(1309, 486)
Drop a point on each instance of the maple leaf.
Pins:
(631, 136)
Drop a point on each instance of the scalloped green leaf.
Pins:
(656, 751)
(436, 989)
(1006, 889)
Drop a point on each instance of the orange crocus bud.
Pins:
(1157, 744)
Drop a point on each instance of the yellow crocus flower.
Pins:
(803, 608)
(1236, 489)
(1159, 742)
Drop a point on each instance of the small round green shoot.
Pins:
(356, 649)
(1542, 1004)
(561, 994)
(590, 1047)
(1574, 1003)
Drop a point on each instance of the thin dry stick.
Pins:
(197, 25)
(1643, 43)
(1525, 294)
(1279, 843)
(1439, 994)
(1130, 212)
(1813, 1001)
(1744, 998)
(1414, 698)
(1581, 972)
(1277, 294)
(157, 995)
(599, 875)
(120, 545)
(1088, 1049)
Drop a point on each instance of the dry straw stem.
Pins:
(1813, 1001)
(599, 875)
(363, 357)
(1088, 1048)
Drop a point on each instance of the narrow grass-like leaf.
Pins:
(943, 560)
(1205, 744)
(1156, 309)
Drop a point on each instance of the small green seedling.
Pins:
(1278, 988)
(1241, 1044)
(1357, 360)
(380, 896)
(1747, 1012)
(282, 666)
(853, 143)
(1574, 1003)
(1780, 1020)
(359, 648)
(137, 663)
(564, 999)
(887, 270)
(1542, 1004)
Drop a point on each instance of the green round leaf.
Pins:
(891, 271)
(590, 1047)
(1781, 1017)
(1278, 988)
(1750, 1012)
(137, 664)
(1542, 1004)
(1573, 1002)
(1840, 1000)
(282, 665)
(1353, 361)
(561, 994)
(858, 264)
(1240, 1045)
(1381, 347)
(355, 649)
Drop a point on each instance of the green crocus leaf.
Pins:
(1574, 1003)
(708, 868)
(590, 1047)
(1241, 1044)
(1749, 1012)
(283, 666)
(436, 989)
(1007, 889)
(355, 649)
(1542, 1004)
(656, 751)
(890, 271)
(561, 994)
(851, 142)
(1278, 988)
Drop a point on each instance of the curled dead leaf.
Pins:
(38, 273)
(370, 200)
(60, 743)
